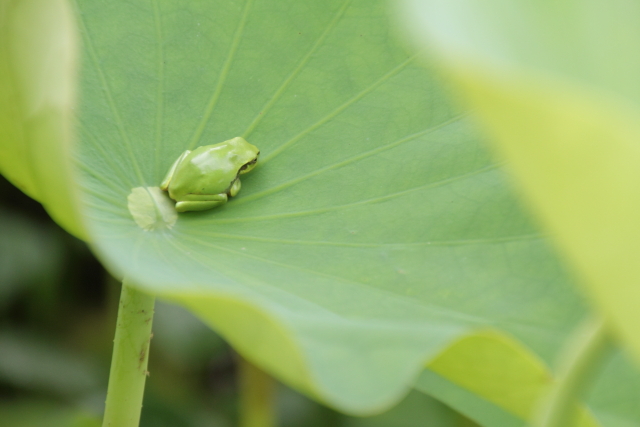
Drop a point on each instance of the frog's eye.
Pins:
(248, 166)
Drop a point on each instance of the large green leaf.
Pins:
(557, 84)
(375, 230)
(37, 88)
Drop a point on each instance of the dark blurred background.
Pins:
(57, 317)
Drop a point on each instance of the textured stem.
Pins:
(130, 355)
(583, 356)
(257, 396)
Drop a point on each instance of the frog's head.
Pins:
(247, 154)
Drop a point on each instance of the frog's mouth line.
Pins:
(247, 167)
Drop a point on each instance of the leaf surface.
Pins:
(375, 230)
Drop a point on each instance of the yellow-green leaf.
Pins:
(38, 50)
(556, 84)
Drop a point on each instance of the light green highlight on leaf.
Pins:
(501, 371)
(496, 368)
(251, 331)
(151, 208)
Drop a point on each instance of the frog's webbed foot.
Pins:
(201, 202)
(235, 188)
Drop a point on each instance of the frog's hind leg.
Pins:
(201, 202)
(167, 179)
(196, 206)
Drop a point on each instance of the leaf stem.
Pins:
(257, 396)
(130, 355)
(585, 353)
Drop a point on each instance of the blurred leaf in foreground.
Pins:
(557, 84)
(38, 51)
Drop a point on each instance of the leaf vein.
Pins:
(107, 90)
(278, 93)
(348, 161)
(361, 202)
(223, 76)
(105, 197)
(433, 243)
(339, 110)
(160, 89)
(105, 156)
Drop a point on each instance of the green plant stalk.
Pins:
(590, 345)
(130, 355)
(257, 396)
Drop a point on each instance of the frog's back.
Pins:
(206, 170)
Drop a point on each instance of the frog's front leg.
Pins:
(235, 187)
(200, 202)
(167, 179)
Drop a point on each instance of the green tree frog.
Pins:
(207, 176)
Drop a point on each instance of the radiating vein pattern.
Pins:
(106, 87)
(347, 127)
(372, 152)
(338, 110)
(381, 198)
(223, 75)
(374, 207)
(491, 240)
(278, 93)
(160, 92)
